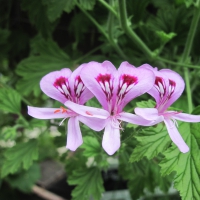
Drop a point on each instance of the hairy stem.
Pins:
(110, 8)
(132, 35)
(178, 64)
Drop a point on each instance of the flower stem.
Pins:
(187, 51)
(111, 38)
(115, 46)
(110, 8)
(177, 63)
(132, 35)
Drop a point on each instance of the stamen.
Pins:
(56, 111)
(62, 121)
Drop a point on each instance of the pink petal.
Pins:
(187, 117)
(175, 136)
(74, 136)
(158, 90)
(46, 113)
(77, 85)
(111, 138)
(47, 84)
(179, 85)
(94, 123)
(133, 82)
(91, 75)
(134, 119)
(87, 111)
(147, 113)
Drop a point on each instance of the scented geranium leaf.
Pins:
(25, 180)
(186, 166)
(54, 8)
(69, 6)
(20, 155)
(32, 69)
(87, 4)
(165, 37)
(37, 123)
(8, 133)
(151, 141)
(10, 100)
(89, 183)
(91, 146)
(38, 17)
(146, 104)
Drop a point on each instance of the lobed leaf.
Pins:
(10, 100)
(32, 69)
(186, 166)
(91, 146)
(151, 142)
(25, 180)
(20, 155)
(89, 183)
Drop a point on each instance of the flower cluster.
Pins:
(114, 89)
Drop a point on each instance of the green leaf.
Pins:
(54, 8)
(8, 133)
(186, 166)
(10, 100)
(32, 69)
(69, 6)
(151, 141)
(165, 37)
(89, 183)
(25, 180)
(91, 146)
(87, 4)
(146, 104)
(20, 155)
(38, 17)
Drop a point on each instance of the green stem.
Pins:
(132, 35)
(177, 63)
(111, 38)
(110, 8)
(115, 46)
(187, 51)
(93, 20)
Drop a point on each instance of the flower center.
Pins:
(116, 123)
(62, 85)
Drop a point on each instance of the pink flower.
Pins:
(114, 89)
(168, 87)
(65, 86)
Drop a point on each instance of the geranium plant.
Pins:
(84, 81)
